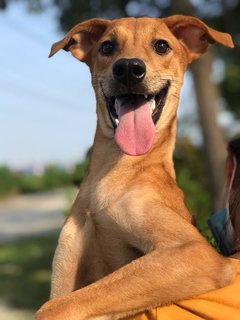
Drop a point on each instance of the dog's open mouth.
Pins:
(157, 103)
(134, 117)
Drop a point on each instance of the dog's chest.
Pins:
(102, 192)
(107, 247)
(113, 245)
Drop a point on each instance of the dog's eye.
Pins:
(161, 47)
(107, 48)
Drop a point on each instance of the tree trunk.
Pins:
(207, 96)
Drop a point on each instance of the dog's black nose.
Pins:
(129, 71)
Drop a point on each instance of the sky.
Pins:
(47, 106)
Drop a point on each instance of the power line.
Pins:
(33, 83)
(52, 101)
(20, 51)
(12, 66)
(32, 34)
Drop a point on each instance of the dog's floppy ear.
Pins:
(80, 39)
(195, 35)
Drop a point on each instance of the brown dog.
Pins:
(129, 244)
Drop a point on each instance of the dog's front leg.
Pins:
(66, 258)
(76, 261)
(153, 280)
(180, 265)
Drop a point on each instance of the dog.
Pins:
(129, 243)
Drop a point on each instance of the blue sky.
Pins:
(47, 105)
(47, 108)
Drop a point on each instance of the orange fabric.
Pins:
(221, 304)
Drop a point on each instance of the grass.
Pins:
(25, 271)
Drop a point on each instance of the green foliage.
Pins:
(25, 271)
(197, 197)
(78, 172)
(231, 87)
(191, 174)
(30, 184)
(192, 178)
(52, 177)
(8, 181)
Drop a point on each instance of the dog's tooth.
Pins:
(153, 105)
(117, 121)
(145, 96)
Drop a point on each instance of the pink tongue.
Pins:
(136, 130)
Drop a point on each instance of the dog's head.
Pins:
(137, 67)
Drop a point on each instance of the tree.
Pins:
(3, 4)
(55, 177)
(8, 181)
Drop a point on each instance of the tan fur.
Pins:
(129, 244)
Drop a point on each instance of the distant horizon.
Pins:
(33, 169)
(40, 166)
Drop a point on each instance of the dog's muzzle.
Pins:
(133, 110)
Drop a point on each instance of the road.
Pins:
(32, 215)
